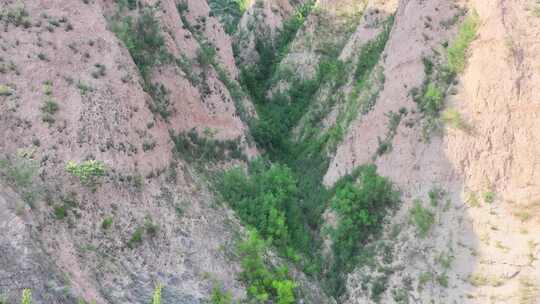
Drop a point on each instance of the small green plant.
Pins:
(435, 195)
(50, 106)
(136, 238)
(156, 297)
(5, 90)
(151, 228)
(489, 197)
(107, 222)
(453, 118)
(422, 218)
(26, 296)
(87, 172)
(472, 200)
(457, 51)
(220, 297)
(442, 280)
(60, 212)
(17, 16)
(424, 278)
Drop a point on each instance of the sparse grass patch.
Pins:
(442, 279)
(20, 172)
(394, 119)
(143, 38)
(219, 296)
(17, 15)
(457, 51)
(50, 107)
(424, 278)
(481, 279)
(528, 292)
(435, 195)
(422, 218)
(453, 118)
(472, 200)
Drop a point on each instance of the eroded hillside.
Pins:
(269, 151)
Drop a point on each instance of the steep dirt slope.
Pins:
(71, 91)
(483, 247)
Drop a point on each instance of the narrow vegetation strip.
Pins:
(439, 78)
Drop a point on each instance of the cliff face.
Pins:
(74, 92)
(157, 91)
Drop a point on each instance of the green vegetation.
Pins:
(422, 218)
(457, 51)
(143, 38)
(136, 238)
(489, 197)
(107, 222)
(191, 146)
(394, 119)
(453, 118)
(220, 297)
(361, 202)
(17, 16)
(265, 283)
(282, 196)
(26, 296)
(60, 212)
(130, 4)
(206, 57)
(5, 90)
(229, 12)
(435, 195)
(88, 172)
(439, 78)
(20, 172)
(50, 106)
(156, 297)
(363, 97)
(266, 200)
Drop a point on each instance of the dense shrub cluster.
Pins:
(266, 199)
(191, 146)
(266, 284)
(361, 202)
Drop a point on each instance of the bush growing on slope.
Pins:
(87, 172)
(264, 283)
(361, 202)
